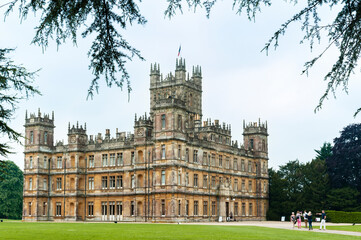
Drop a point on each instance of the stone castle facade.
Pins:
(173, 167)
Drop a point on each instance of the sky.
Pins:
(239, 81)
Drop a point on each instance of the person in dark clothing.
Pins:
(309, 218)
(323, 220)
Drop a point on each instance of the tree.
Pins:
(109, 52)
(344, 165)
(15, 84)
(11, 191)
(343, 199)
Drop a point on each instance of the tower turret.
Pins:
(180, 70)
(77, 137)
(255, 136)
(39, 132)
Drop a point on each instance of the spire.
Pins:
(77, 124)
(69, 126)
(39, 114)
(52, 115)
(26, 114)
(84, 126)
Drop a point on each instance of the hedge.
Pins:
(343, 217)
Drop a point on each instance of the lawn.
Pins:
(109, 231)
(356, 228)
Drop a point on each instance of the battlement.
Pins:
(76, 129)
(119, 137)
(143, 120)
(39, 119)
(255, 128)
(215, 127)
(179, 77)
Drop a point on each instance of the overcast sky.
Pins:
(239, 81)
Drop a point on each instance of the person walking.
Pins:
(305, 217)
(323, 220)
(309, 218)
(298, 218)
(293, 219)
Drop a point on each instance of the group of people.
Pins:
(307, 218)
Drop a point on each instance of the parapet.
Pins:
(39, 119)
(255, 128)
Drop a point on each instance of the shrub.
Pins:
(343, 217)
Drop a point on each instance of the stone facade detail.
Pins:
(173, 167)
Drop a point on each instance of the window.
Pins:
(220, 161)
(104, 209)
(45, 137)
(251, 143)
(195, 156)
(249, 166)
(111, 208)
(163, 121)
(195, 208)
(227, 162)
(179, 207)
(44, 208)
(264, 187)
(132, 158)
(91, 161)
(119, 208)
(243, 209)
(59, 162)
(250, 210)
(58, 209)
(236, 185)
(91, 183)
(179, 122)
(249, 186)
(29, 208)
(58, 184)
(132, 183)
(187, 155)
(90, 209)
(187, 179)
(235, 164)
(242, 166)
(163, 177)
(209, 160)
(195, 180)
(213, 182)
(31, 162)
(30, 184)
(205, 208)
(263, 145)
(105, 160)
(112, 182)
(187, 207)
(112, 159)
(179, 178)
(163, 151)
(45, 165)
(163, 208)
(104, 182)
(179, 151)
(205, 181)
(44, 184)
(204, 159)
(213, 208)
(132, 208)
(31, 137)
(236, 209)
(120, 161)
(120, 181)
(213, 163)
(243, 185)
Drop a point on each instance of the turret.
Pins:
(77, 136)
(39, 132)
(154, 74)
(255, 136)
(180, 69)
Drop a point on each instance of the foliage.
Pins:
(11, 191)
(343, 199)
(125, 231)
(342, 33)
(344, 166)
(109, 52)
(15, 84)
(343, 217)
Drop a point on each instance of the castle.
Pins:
(173, 167)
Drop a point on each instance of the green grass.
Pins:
(109, 231)
(356, 228)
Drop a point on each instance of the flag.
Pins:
(180, 47)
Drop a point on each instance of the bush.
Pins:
(343, 217)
